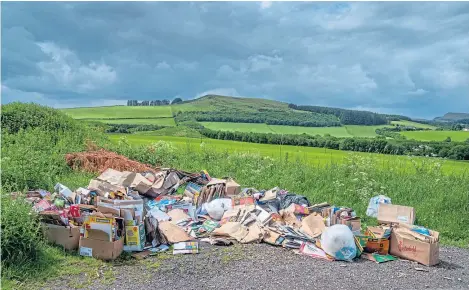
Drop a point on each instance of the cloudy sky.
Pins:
(406, 58)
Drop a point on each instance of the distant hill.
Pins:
(448, 117)
(216, 108)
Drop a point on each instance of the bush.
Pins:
(21, 232)
(33, 151)
(17, 116)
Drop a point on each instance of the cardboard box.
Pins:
(374, 245)
(95, 246)
(99, 228)
(396, 214)
(378, 232)
(134, 238)
(415, 247)
(232, 188)
(99, 249)
(67, 237)
(117, 205)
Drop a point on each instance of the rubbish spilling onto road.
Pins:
(157, 210)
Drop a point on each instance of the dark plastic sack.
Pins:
(287, 199)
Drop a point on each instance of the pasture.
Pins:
(343, 131)
(156, 121)
(310, 155)
(414, 124)
(117, 112)
(460, 136)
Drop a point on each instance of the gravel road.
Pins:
(261, 266)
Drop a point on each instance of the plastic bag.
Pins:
(217, 207)
(373, 205)
(287, 199)
(338, 241)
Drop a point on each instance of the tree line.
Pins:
(153, 103)
(347, 117)
(451, 150)
(269, 117)
(130, 128)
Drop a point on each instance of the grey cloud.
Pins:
(394, 57)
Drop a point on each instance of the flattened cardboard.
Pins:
(271, 237)
(407, 246)
(177, 215)
(141, 184)
(127, 178)
(173, 233)
(101, 187)
(67, 237)
(103, 250)
(111, 176)
(313, 225)
(255, 234)
(395, 214)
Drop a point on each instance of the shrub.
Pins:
(21, 232)
(17, 116)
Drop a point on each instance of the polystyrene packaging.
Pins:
(217, 207)
(374, 203)
(338, 241)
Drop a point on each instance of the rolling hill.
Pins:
(449, 117)
(247, 115)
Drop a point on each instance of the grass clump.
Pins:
(21, 232)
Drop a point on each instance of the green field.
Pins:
(157, 121)
(333, 131)
(414, 124)
(310, 155)
(362, 131)
(436, 135)
(180, 131)
(119, 112)
(238, 127)
(344, 131)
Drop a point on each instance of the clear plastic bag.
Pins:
(338, 241)
(216, 208)
(373, 205)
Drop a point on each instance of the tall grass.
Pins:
(441, 200)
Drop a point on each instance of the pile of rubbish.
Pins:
(159, 210)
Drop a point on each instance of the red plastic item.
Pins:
(74, 211)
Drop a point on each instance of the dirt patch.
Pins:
(99, 160)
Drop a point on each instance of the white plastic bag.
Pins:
(338, 241)
(217, 207)
(374, 203)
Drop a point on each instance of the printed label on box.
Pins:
(87, 252)
(403, 218)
